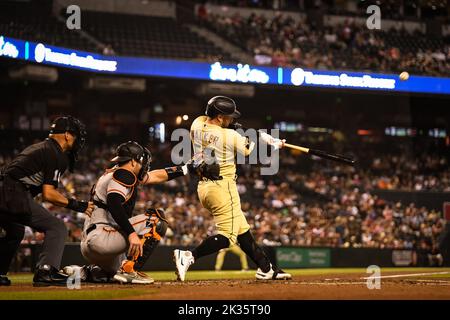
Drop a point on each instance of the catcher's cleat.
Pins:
(95, 274)
(273, 274)
(134, 277)
(4, 281)
(88, 273)
(183, 259)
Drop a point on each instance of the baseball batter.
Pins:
(220, 196)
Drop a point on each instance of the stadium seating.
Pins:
(125, 34)
(147, 36)
(24, 22)
(283, 41)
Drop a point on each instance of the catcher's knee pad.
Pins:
(158, 228)
(158, 222)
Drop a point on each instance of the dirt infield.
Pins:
(296, 290)
(342, 286)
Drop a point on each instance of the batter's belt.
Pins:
(203, 179)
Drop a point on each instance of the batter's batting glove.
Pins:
(274, 142)
(236, 126)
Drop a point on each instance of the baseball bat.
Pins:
(322, 154)
(319, 153)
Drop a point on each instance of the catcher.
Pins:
(110, 231)
(220, 195)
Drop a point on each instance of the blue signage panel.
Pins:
(238, 73)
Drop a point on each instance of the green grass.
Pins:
(218, 275)
(65, 294)
(103, 292)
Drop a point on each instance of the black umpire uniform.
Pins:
(21, 180)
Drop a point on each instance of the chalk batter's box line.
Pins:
(407, 275)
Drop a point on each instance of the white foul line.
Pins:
(407, 275)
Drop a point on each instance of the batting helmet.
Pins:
(221, 105)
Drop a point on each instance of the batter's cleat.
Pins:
(76, 271)
(47, 275)
(134, 277)
(273, 274)
(183, 259)
(4, 281)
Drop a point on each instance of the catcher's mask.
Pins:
(77, 129)
(221, 105)
(133, 150)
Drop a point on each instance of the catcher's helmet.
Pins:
(133, 150)
(221, 105)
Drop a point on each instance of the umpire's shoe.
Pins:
(4, 281)
(47, 275)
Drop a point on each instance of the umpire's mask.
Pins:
(76, 128)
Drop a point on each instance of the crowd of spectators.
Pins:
(283, 41)
(391, 9)
(325, 205)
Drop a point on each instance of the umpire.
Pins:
(37, 169)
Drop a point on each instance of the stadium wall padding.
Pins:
(361, 257)
(286, 257)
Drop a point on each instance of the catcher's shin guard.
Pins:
(158, 227)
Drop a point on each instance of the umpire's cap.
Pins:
(131, 150)
(221, 105)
